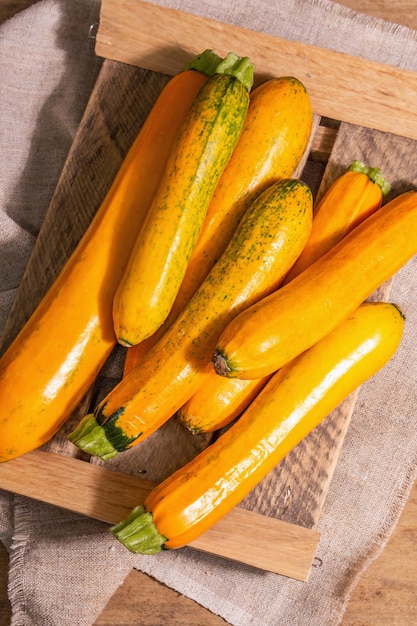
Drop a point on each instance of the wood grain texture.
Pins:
(165, 39)
(131, 606)
(109, 496)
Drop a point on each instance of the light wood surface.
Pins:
(386, 593)
(166, 39)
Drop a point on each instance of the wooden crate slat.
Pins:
(341, 86)
(109, 496)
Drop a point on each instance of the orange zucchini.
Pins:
(268, 240)
(163, 247)
(270, 333)
(351, 198)
(273, 139)
(218, 401)
(55, 358)
(290, 406)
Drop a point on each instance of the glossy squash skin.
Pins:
(295, 400)
(353, 197)
(268, 240)
(218, 401)
(350, 199)
(273, 140)
(270, 333)
(55, 358)
(163, 248)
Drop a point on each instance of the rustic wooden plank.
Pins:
(322, 143)
(109, 496)
(163, 40)
(166, 607)
(262, 541)
(74, 484)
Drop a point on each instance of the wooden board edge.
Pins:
(163, 40)
(108, 496)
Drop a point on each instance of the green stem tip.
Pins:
(138, 533)
(240, 67)
(373, 173)
(206, 62)
(91, 437)
(209, 63)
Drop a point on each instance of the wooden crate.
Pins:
(362, 110)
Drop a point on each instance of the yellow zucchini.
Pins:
(273, 331)
(272, 142)
(295, 400)
(54, 360)
(218, 401)
(269, 238)
(164, 245)
(353, 197)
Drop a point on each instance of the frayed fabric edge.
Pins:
(326, 6)
(17, 554)
(380, 540)
(368, 20)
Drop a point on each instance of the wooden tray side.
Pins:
(341, 86)
(109, 496)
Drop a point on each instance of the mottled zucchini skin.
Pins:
(162, 251)
(269, 238)
(273, 331)
(273, 140)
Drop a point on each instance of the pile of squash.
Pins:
(243, 306)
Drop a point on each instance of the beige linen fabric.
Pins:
(64, 567)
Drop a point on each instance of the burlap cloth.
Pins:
(63, 567)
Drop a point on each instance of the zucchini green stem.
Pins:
(138, 532)
(209, 63)
(373, 173)
(91, 437)
(240, 67)
(206, 62)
